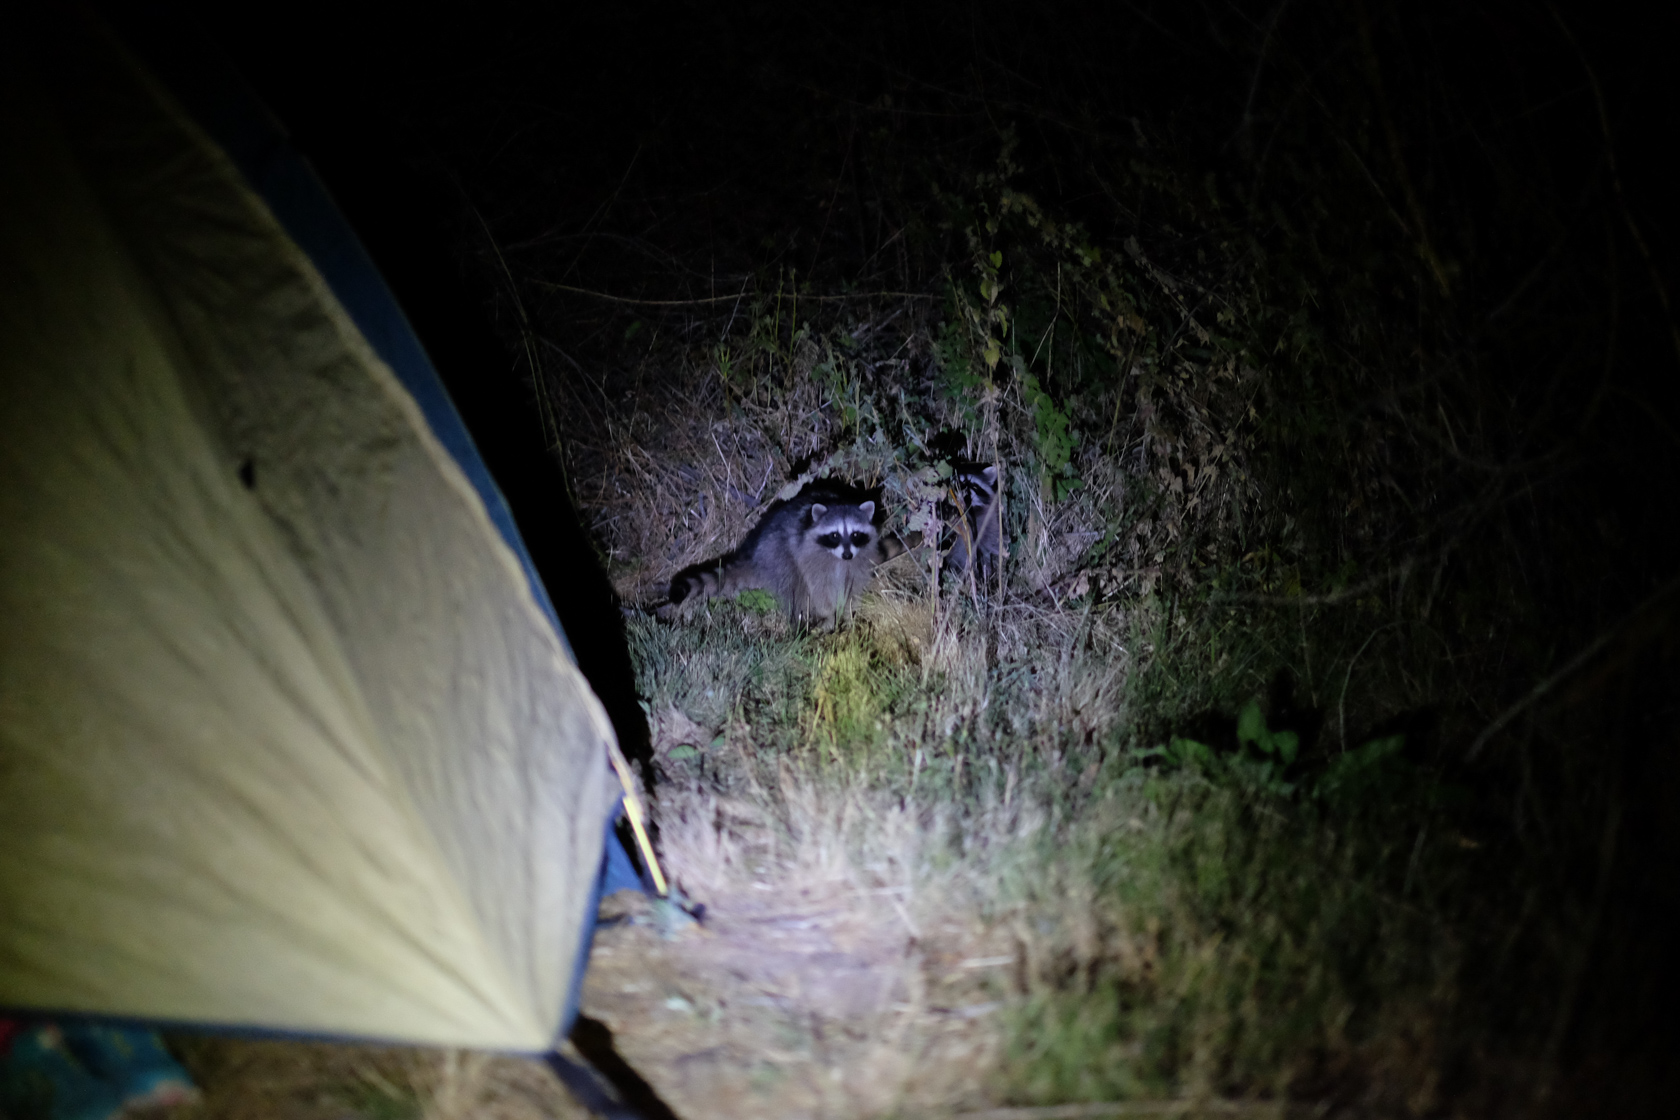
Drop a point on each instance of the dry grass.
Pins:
(964, 771)
(841, 970)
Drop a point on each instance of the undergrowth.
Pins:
(1283, 750)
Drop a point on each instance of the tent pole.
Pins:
(633, 809)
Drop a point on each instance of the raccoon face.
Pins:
(979, 488)
(843, 531)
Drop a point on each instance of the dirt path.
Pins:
(816, 1002)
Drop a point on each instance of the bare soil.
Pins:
(813, 1001)
(819, 1000)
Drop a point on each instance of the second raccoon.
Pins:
(979, 530)
(816, 552)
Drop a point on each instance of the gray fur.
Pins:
(979, 531)
(815, 552)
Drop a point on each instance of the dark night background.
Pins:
(667, 151)
(660, 150)
(687, 151)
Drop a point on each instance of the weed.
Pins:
(846, 711)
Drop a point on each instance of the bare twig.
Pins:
(553, 286)
(846, 298)
(1341, 704)
(1245, 128)
(1591, 650)
(1616, 183)
(1396, 154)
(1353, 591)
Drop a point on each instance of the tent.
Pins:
(291, 738)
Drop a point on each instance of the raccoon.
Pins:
(815, 552)
(979, 529)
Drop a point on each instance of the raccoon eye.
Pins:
(860, 539)
(829, 540)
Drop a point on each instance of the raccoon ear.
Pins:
(867, 509)
(817, 511)
(990, 474)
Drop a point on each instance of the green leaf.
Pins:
(1251, 725)
(1359, 771)
(1286, 744)
(1378, 749)
(1188, 751)
(684, 751)
(756, 600)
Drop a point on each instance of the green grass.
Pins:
(1183, 927)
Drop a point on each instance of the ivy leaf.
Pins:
(756, 600)
(1251, 726)
(1188, 751)
(1360, 771)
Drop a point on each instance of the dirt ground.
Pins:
(820, 1000)
(817, 1001)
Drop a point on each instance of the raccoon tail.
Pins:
(701, 581)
